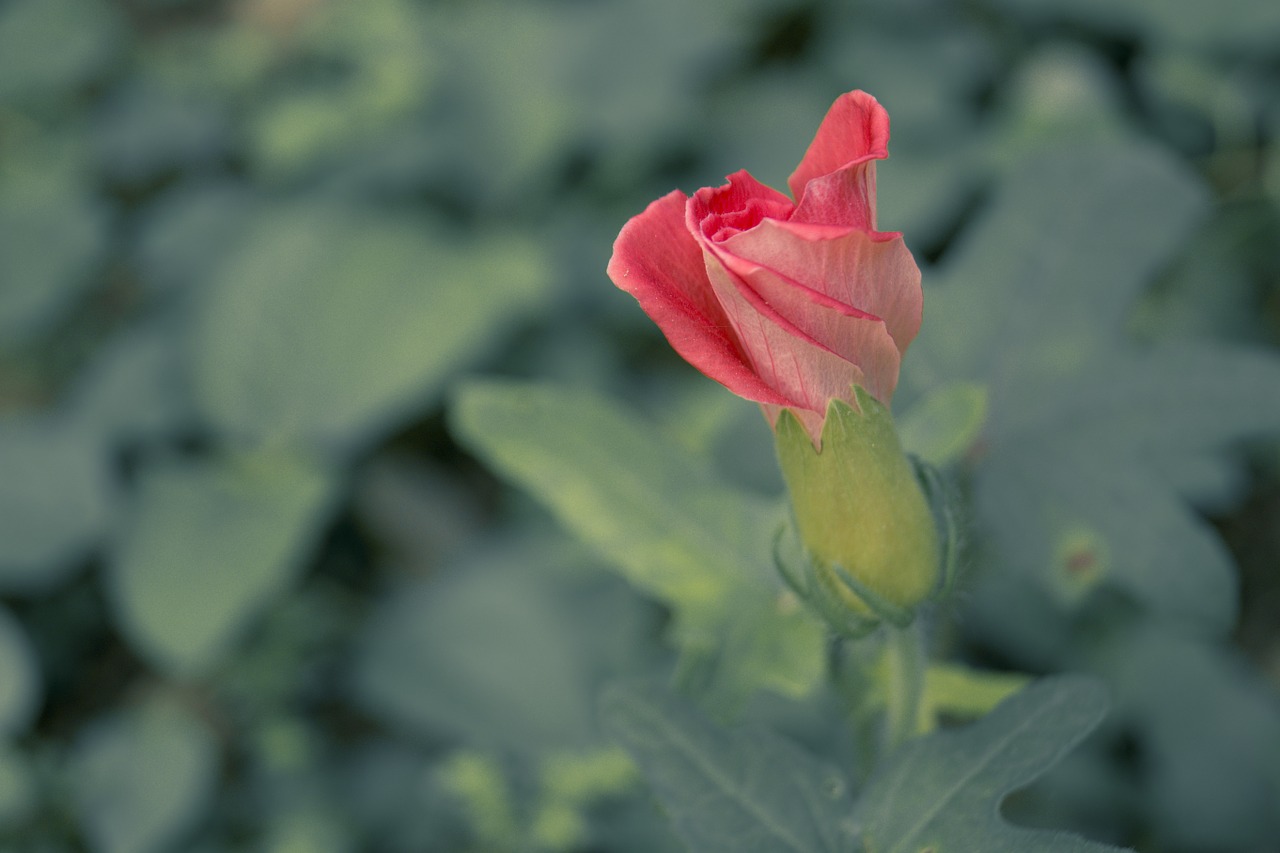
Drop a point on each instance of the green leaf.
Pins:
(943, 792)
(1074, 519)
(1207, 724)
(188, 230)
(676, 531)
(522, 105)
(1062, 94)
(19, 790)
(919, 74)
(1232, 24)
(490, 652)
(134, 387)
(945, 423)
(476, 782)
(142, 778)
(1092, 443)
(207, 547)
(50, 47)
(1043, 283)
(55, 501)
(748, 791)
(21, 685)
(388, 70)
(1160, 404)
(1109, 460)
(52, 235)
(331, 323)
(1212, 293)
(669, 525)
(313, 827)
(151, 131)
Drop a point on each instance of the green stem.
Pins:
(905, 663)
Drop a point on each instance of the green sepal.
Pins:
(866, 529)
(880, 606)
(945, 518)
(797, 569)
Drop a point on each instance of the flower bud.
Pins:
(868, 531)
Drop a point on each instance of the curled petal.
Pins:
(856, 128)
(657, 261)
(872, 272)
(846, 197)
(799, 366)
(856, 336)
(718, 213)
(835, 183)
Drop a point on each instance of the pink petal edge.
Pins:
(856, 336)
(782, 355)
(871, 271)
(712, 211)
(854, 130)
(657, 261)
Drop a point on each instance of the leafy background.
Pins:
(337, 482)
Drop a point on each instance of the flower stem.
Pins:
(905, 661)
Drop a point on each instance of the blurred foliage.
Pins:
(672, 527)
(264, 586)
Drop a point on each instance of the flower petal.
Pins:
(872, 272)
(657, 261)
(854, 335)
(717, 213)
(835, 183)
(800, 367)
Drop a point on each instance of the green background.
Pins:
(309, 368)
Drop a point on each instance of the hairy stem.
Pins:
(905, 661)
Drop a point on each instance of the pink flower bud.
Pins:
(790, 303)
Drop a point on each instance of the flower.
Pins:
(787, 303)
(804, 307)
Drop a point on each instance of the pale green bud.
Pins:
(863, 520)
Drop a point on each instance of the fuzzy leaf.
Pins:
(943, 793)
(55, 500)
(143, 777)
(1042, 284)
(50, 47)
(493, 652)
(53, 233)
(1208, 727)
(208, 547)
(1229, 25)
(1161, 404)
(671, 527)
(21, 683)
(1092, 444)
(330, 323)
(748, 791)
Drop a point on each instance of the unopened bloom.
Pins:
(801, 305)
(790, 302)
